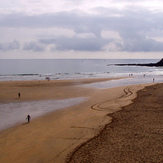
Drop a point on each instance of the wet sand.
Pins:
(54, 136)
(45, 90)
(135, 134)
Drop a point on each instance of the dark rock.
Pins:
(158, 64)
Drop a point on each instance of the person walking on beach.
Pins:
(29, 118)
(19, 94)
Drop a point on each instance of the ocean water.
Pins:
(11, 70)
(39, 69)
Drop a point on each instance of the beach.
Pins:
(56, 136)
(134, 135)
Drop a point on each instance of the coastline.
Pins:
(52, 137)
(46, 90)
(134, 135)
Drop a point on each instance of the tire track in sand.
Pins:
(97, 107)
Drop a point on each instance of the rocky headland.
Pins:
(158, 64)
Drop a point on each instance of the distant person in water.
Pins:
(19, 94)
(29, 118)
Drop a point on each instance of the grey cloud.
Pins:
(34, 46)
(133, 25)
(83, 22)
(10, 45)
(45, 20)
(146, 45)
(77, 44)
(80, 23)
(136, 28)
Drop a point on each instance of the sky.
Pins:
(81, 29)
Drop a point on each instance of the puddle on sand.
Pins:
(14, 113)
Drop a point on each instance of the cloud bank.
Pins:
(132, 26)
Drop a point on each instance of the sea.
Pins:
(12, 114)
(56, 69)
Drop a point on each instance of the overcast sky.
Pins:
(81, 29)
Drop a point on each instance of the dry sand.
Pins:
(52, 137)
(134, 136)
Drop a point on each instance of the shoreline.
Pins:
(46, 90)
(134, 135)
(43, 92)
(53, 136)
